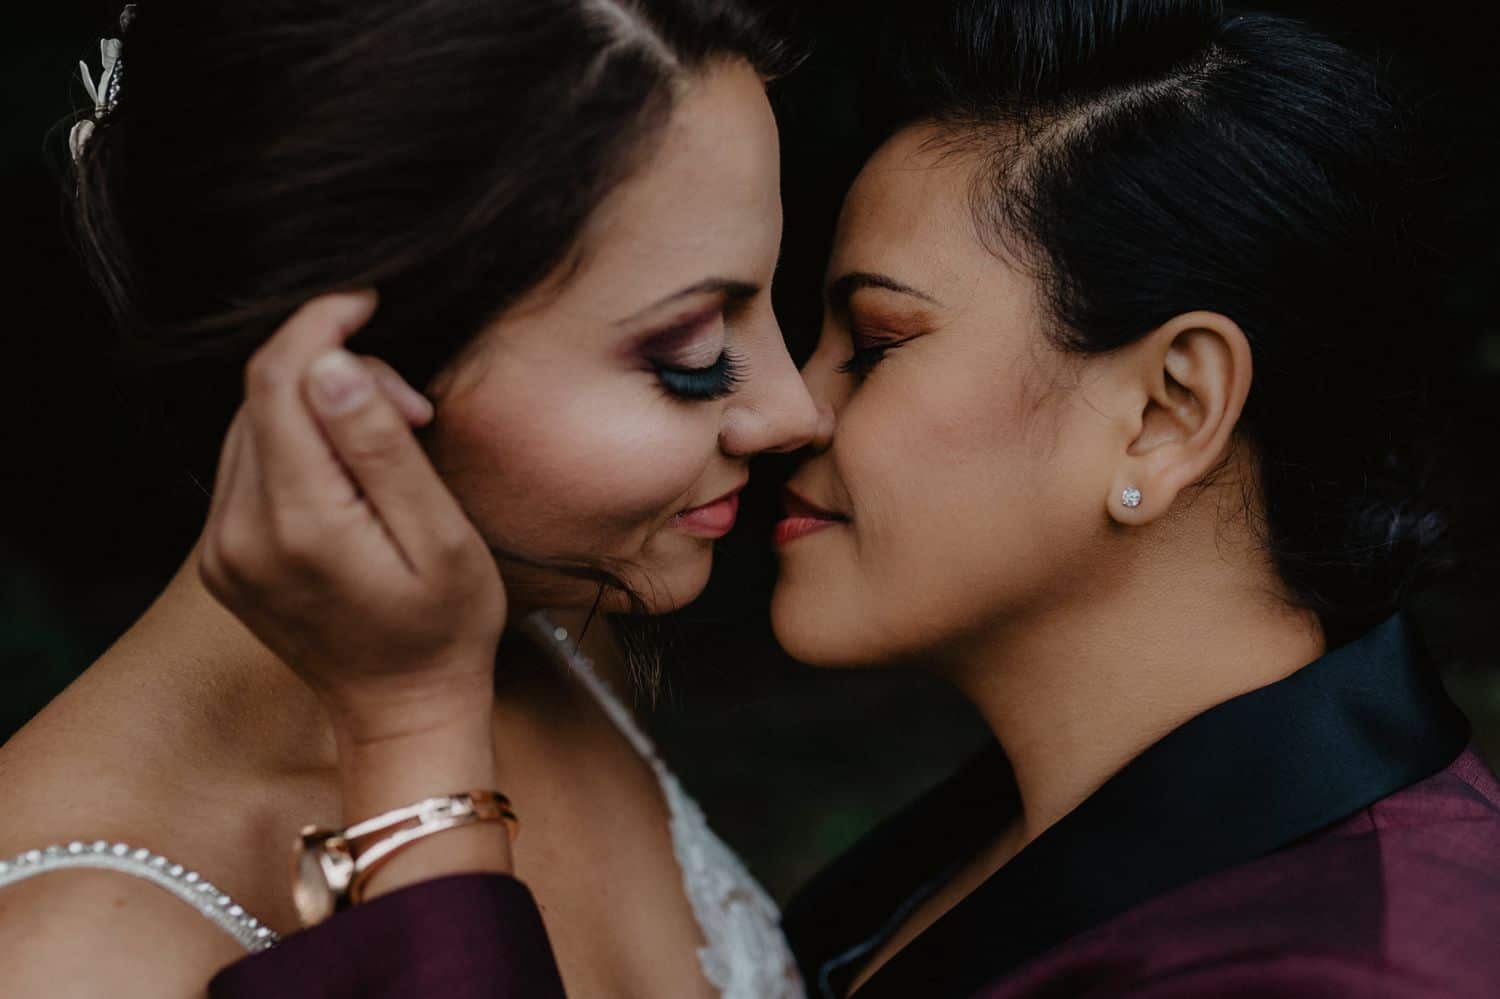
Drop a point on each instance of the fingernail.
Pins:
(428, 411)
(398, 386)
(339, 382)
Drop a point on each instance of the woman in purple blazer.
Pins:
(1121, 344)
(1107, 311)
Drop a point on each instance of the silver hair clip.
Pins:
(106, 93)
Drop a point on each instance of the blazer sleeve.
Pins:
(1291, 975)
(465, 936)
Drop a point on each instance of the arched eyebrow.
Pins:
(840, 291)
(732, 290)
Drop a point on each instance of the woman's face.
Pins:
(969, 468)
(611, 415)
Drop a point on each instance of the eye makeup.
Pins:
(713, 382)
(872, 336)
(691, 359)
(864, 359)
(874, 332)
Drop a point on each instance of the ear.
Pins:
(1188, 380)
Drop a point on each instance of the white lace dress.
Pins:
(745, 955)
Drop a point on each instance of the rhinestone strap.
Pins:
(187, 885)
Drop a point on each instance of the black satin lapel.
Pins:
(1243, 779)
(849, 902)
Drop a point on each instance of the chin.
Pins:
(664, 589)
(808, 632)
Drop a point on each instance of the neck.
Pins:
(205, 713)
(1076, 692)
(238, 709)
(245, 710)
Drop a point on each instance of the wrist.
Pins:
(383, 774)
(398, 767)
(335, 868)
(400, 710)
(483, 848)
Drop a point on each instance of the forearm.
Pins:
(450, 755)
(440, 918)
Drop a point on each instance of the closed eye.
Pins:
(867, 354)
(716, 381)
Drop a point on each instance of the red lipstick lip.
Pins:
(798, 506)
(803, 518)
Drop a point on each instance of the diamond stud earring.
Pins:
(1131, 497)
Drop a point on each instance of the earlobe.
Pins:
(1128, 507)
(1195, 374)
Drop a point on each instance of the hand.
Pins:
(332, 538)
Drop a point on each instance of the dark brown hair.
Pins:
(447, 152)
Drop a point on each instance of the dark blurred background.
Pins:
(790, 764)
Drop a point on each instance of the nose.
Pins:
(829, 390)
(773, 410)
(822, 436)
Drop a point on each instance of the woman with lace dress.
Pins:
(1106, 310)
(571, 211)
(1090, 441)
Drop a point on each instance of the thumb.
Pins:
(413, 405)
(375, 443)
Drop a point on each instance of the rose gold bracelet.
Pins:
(332, 868)
(405, 826)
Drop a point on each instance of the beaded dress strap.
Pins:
(187, 885)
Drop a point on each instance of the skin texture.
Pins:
(577, 483)
(980, 473)
(338, 548)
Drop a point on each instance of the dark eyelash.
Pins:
(864, 359)
(700, 384)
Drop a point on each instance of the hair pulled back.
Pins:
(447, 152)
(1149, 158)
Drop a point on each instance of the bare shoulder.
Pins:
(101, 933)
(63, 784)
(94, 766)
(85, 933)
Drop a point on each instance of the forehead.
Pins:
(909, 214)
(708, 194)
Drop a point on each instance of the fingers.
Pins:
(228, 457)
(412, 404)
(235, 528)
(238, 466)
(294, 459)
(374, 442)
(236, 509)
(319, 445)
(210, 562)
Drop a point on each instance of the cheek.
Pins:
(933, 459)
(588, 469)
(962, 513)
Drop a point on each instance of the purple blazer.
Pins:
(1328, 835)
(470, 936)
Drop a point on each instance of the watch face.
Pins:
(321, 876)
